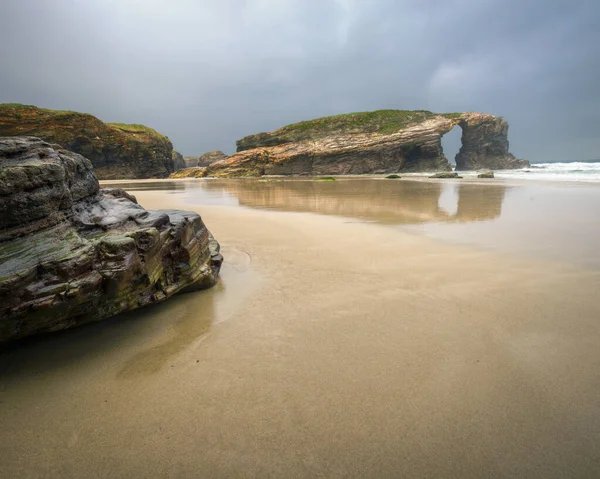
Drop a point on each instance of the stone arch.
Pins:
(451, 141)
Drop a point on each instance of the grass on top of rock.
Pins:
(452, 116)
(325, 178)
(379, 121)
(135, 128)
(16, 107)
(392, 177)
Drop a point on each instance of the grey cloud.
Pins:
(206, 73)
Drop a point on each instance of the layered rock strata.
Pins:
(485, 144)
(71, 253)
(116, 150)
(380, 142)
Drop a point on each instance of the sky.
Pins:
(206, 72)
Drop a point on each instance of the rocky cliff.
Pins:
(71, 253)
(178, 161)
(116, 150)
(386, 141)
(485, 144)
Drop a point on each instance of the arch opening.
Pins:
(451, 143)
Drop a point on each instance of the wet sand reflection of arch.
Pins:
(383, 201)
(479, 202)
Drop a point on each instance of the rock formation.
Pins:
(178, 161)
(196, 165)
(193, 172)
(386, 141)
(71, 253)
(116, 150)
(485, 144)
(205, 159)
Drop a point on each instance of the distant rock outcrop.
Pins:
(116, 150)
(386, 141)
(71, 253)
(178, 161)
(205, 159)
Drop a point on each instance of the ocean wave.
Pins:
(574, 171)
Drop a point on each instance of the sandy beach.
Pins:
(335, 345)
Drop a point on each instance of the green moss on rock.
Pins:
(382, 122)
(116, 150)
(325, 178)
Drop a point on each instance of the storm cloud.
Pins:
(206, 73)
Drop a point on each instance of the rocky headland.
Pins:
(379, 142)
(116, 150)
(71, 253)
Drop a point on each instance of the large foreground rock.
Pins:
(71, 253)
(386, 141)
(116, 150)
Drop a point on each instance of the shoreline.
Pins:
(472, 180)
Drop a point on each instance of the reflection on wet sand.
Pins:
(187, 327)
(165, 186)
(383, 201)
(334, 349)
(153, 340)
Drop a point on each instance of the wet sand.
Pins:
(331, 348)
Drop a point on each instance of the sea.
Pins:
(577, 171)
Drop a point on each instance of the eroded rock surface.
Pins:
(71, 253)
(116, 150)
(178, 161)
(387, 141)
(485, 144)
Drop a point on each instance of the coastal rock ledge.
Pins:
(71, 253)
(377, 142)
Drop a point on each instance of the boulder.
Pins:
(71, 253)
(446, 174)
(485, 174)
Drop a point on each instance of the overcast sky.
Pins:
(207, 72)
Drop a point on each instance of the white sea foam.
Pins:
(588, 172)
